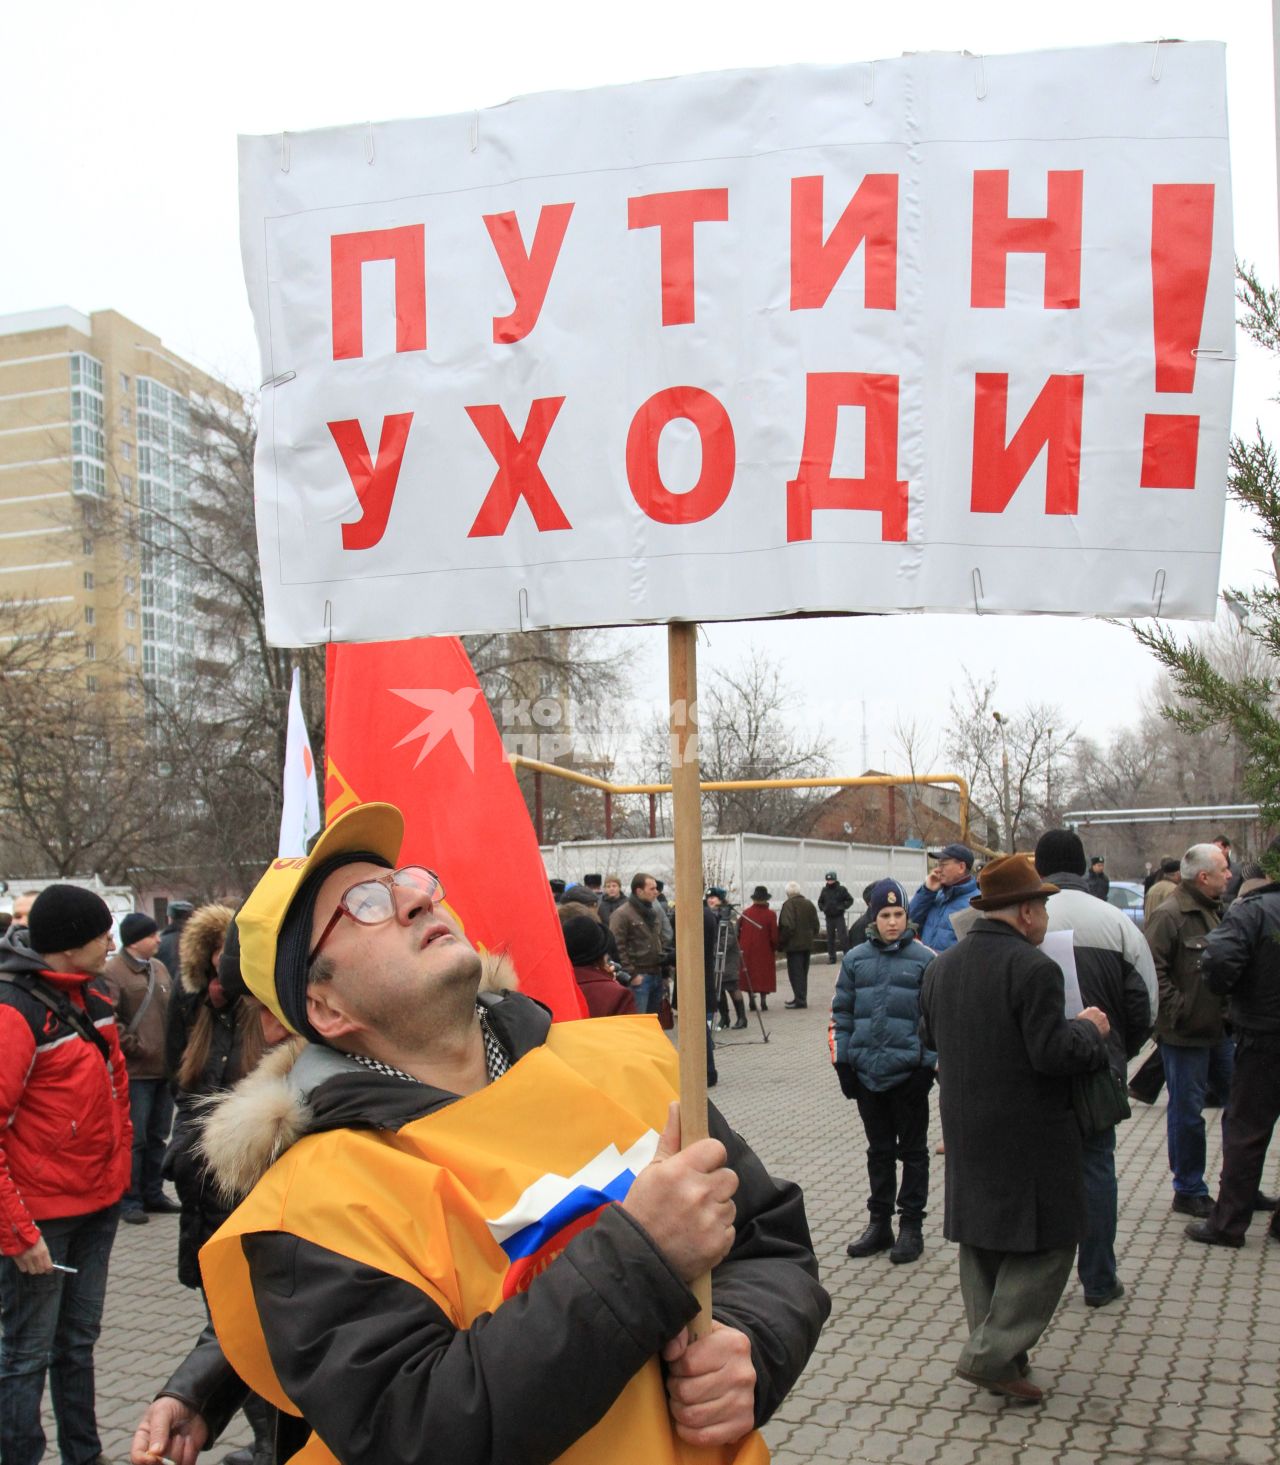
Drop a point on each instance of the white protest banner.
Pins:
(941, 333)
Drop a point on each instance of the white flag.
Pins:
(300, 817)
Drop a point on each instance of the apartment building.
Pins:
(94, 424)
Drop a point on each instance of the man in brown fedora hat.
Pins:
(992, 1009)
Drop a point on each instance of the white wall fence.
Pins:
(740, 862)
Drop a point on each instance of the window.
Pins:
(88, 579)
(87, 441)
(85, 407)
(88, 478)
(126, 416)
(126, 452)
(130, 586)
(88, 444)
(91, 684)
(88, 615)
(86, 546)
(126, 485)
(131, 654)
(130, 619)
(124, 382)
(91, 651)
(86, 372)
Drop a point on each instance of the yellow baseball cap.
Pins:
(275, 971)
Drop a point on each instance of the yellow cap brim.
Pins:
(377, 828)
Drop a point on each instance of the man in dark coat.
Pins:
(992, 1009)
(179, 913)
(833, 901)
(1116, 973)
(1096, 881)
(1242, 962)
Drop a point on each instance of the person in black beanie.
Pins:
(1116, 974)
(139, 985)
(65, 1158)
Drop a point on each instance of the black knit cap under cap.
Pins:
(1060, 852)
(65, 917)
(585, 939)
(294, 943)
(136, 926)
(230, 978)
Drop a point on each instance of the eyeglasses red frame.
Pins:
(431, 886)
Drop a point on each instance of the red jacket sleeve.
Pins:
(18, 1232)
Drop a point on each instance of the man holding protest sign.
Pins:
(483, 1212)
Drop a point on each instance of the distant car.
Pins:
(1127, 896)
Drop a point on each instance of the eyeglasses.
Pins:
(372, 902)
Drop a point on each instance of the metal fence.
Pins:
(740, 862)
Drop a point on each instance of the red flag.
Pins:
(407, 723)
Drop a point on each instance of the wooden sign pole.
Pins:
(686, 802)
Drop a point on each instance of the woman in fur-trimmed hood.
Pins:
(213, 1039)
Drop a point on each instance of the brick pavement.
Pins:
(1184, 1368)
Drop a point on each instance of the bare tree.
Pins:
(746, 731)
(80, 789)
(917, 747)
(1164, 761)
(1008, 760)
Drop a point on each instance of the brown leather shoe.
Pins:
(1020, 1390)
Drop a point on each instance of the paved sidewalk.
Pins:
(1184, 1368)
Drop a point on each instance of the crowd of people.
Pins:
(360, 1199)
(1031, 1053)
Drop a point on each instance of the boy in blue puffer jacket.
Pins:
(882, 1062)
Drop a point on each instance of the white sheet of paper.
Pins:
(1058, 945)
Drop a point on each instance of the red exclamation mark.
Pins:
(1181, 247)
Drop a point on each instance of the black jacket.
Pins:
(1242, 962)
(377, 1368)
(992, 1009)
(833, 901)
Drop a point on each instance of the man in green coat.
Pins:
(798, 928)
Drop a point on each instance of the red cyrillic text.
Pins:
(674, 215)
(518, 476)
(347, 253)
(870, 217)
(719, 456)
(879, 489)
(1057, 236)
(374, 483)
(528, 272)
(1053, 422)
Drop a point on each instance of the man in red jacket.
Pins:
(65, 1149)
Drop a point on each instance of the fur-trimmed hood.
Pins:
(201, 937)
(247, 1129)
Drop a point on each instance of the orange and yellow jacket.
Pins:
(423, 1277)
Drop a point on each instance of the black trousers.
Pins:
(798, 974)
(837, 936)
(897, 1126)
(1247, 1125)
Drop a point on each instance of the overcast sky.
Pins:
(118, 190)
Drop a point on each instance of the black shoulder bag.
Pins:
(78, 1021)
